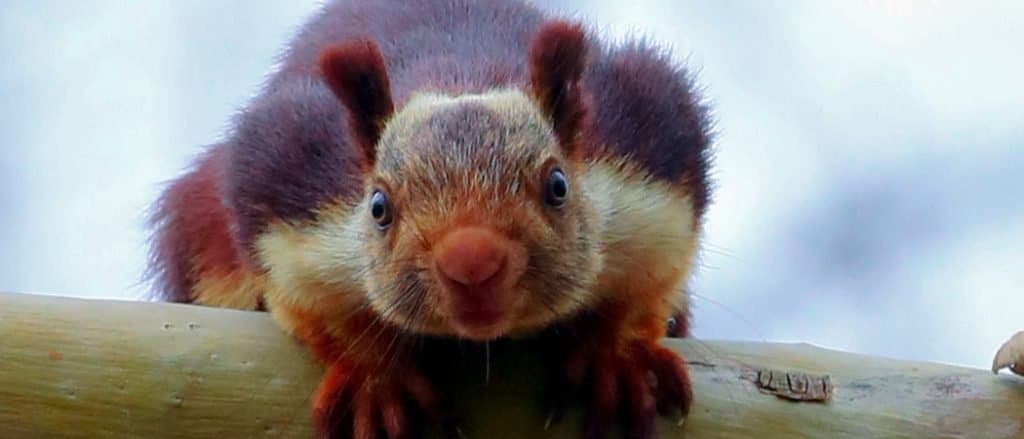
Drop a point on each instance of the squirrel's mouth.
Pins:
(482, 319)
(480, 325)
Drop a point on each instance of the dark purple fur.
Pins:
(288, 153)
(645, 106)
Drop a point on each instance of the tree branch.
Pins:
(99, 368)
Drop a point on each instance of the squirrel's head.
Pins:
(473, 217)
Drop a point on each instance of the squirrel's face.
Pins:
(472, 223)
(475, 220)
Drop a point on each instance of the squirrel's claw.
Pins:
(353, 402)
(623, 379)
(631, 386)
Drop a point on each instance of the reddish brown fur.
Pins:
(366, 385)
(601, 347)
(193, 237)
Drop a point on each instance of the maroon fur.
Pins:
(557, 58)
(193, 236)
(355, 73)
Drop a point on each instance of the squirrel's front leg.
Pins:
(611, 354)
(372, 388)
(362, 401)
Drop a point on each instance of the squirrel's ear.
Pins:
(356, 73)
(558, 56)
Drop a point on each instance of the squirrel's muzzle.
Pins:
(478, 269)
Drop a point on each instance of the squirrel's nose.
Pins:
(471, 256)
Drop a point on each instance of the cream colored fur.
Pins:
(646, 227)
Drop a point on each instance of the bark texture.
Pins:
(112, 369)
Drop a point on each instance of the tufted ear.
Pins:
(557, 54)
(356, 73)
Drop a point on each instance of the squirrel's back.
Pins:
(455, 46)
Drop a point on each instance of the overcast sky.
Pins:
(869, 168)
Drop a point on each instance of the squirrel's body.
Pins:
(565, 182)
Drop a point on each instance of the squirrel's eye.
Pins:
(558, 188)
(380, 210)
(671, 323)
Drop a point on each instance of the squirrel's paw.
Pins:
(630, 386)
(360, 402)
(1011, 355)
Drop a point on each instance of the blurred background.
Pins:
(870, 164)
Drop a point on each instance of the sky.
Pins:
(869, 153)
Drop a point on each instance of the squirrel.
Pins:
(454, 169)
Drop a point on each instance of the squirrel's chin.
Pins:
(480, 328)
